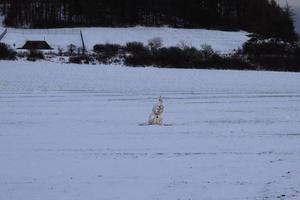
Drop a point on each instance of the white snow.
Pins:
(222, 41)
(59, 38)
(70, 132)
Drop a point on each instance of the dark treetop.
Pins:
(264, 17)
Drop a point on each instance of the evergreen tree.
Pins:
(264, 17)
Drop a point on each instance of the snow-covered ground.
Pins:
(71, 132)
(222, 41)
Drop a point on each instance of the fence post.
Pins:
(82, 41)
(3, 34)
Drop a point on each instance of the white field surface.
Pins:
(71, 132)
(224, 42)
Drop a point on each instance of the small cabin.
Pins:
(37, 45)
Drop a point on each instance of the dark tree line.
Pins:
(264, 17)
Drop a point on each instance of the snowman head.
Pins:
(160, 99)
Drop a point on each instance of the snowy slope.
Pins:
(70, 132)
(56, 38)
(220, 40)
(47, 76)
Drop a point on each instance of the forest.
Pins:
(264, 17)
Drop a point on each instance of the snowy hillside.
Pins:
(71, 132)
(221, 41)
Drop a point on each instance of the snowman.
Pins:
(157, 110)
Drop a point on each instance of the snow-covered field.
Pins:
(71, 132)
(222, 41)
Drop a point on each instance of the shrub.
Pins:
(105, 52)
(71, 49)
(193, 57)
(235, 61)
(60, 51)
(138, 54)
(135, 47)
(107, 48)
(155, 43)
(184, 44)
(6, 53)
(188, 57)
(272, 54)
(81, 51)
(75, 59)
(35, 55)
(272, 47)
(207, 51)
(169, 57)
(80, 59)
(143, 58)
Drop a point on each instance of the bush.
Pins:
(105, 52)
(107, 48)
(80, 59)
(6, 53)
(272, 47)
(155, 43)
(140, 59)
(184, 44)
(272, 54)
(71, 49)
(135, 47)
(255, 54)
(35, 55)
(80, 51)
(75, 59)
(188, 57)
(207, 51)
(60, 51)
(170, 57)
(236, 62)
(138, 54)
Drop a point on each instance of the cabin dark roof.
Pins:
(36, 45)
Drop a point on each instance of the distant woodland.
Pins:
(264, 17)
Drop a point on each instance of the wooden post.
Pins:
(82, 41)
(3, 34)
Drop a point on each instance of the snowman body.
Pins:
(155, 117)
